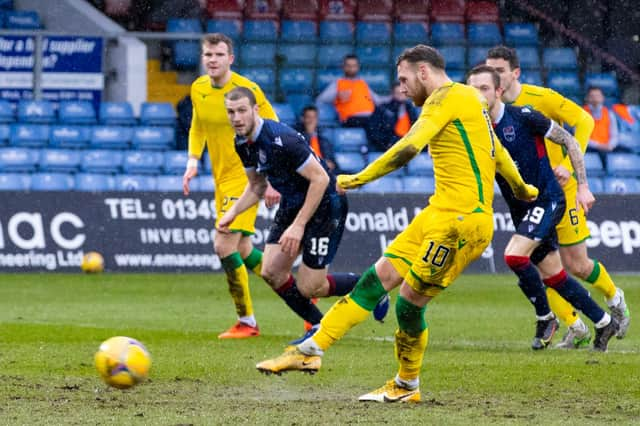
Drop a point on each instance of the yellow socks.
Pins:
(410, 353)
(563, 309)
(238, 280)
(601, 280)
(254, 261)
(342, 317)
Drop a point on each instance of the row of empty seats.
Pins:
(20, 20)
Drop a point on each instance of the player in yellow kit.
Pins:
(439, 243)
(572, 229)
(210, 127)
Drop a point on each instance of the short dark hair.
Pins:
(507, 53)
(215, 38)
(480, 69)
(422, 53)
(309, 108)
(350, 56)
(239, 93)
(592, 88)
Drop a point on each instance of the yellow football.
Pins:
(122, 362)
(92, 262)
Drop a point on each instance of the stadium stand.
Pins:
(135, 183)
(59, 160)
(7, 114)
(52, 182)
(260, 30)
(94, 182)
(76, 112)
(18, 159)
(118, 113)
(37, 112)
(101, 161)
(15, 182)
(386, 184)
(349, 162)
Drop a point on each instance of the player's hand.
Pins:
(584, 198)
(290, 239)
(225, 222)
(340, 190)
(562, 175)
(271, 196)
(527, 193)
(189, 174)
(347, 181)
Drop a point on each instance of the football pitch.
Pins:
(478, 367)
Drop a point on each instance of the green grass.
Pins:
(478, 367)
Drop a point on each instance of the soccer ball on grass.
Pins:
(92, 262)
(122, 362)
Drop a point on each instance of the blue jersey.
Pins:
(279, 153)
(522, 131)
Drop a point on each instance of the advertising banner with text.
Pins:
(166, 232)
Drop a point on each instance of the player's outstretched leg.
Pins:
(238, 281)
(411, 340)
(577, 336)
(600, 279)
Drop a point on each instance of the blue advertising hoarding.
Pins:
(71, 68)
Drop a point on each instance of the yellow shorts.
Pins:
(572, 228)
(437, 246)
(226, 195)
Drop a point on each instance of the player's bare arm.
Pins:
(557, 134)
(252, 193)
(318, 182)
(190, 172)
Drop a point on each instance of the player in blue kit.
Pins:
(311, 216)
(522, 131)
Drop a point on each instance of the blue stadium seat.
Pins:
(5, 133)
(456, 75)
(386, 184)
(15, 181)
(29, 135)
(175, 162)
(476, 55)
(593, 165)
(264, 77)
(420, 165)
(110, 137)
(232, 28)
(260, 30)
(154, 138)
(622, 185)
(301, 55)
(207, 163)
(373, 33)
(351, 139)
(59, 160)
(565, 82)
(285, 113)
(7, 114)
(455, 56)
(6, 5)
(349, 162)
(168, 183)
(418, 184)
(333, 55)
(373, 156)
(118, 113)
(531, 77)
(181, 25)
(529, 57)
(298, 31)
(410, 33)
(157, 114)
(142, 162)
(484, 34)
(39, 112)
(18, 159)
(623, 165)
(298, 101)
(336, 32)
(101, 161)
(257, 54)
(64, 136)
(560, 58)
(52, 182)
(596, 185)
(521, 34)
(22, 20)
(327, 115)
(186, 53)
(606, 81)
(76, 112)
(296, 80)
(203, 183)
(378, 80)
(447, 34)
(94, 182)
(135, 183)
(326, 76)
(373, 56)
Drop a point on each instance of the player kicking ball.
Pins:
(522, 131)
(439, 243)
(311, 215)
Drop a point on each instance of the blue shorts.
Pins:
(322, 234)
(538, 222)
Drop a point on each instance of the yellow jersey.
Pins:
(210, 125)
(456, 125)
(562, 111)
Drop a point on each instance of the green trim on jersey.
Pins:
(393, 256)
(472, 158)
